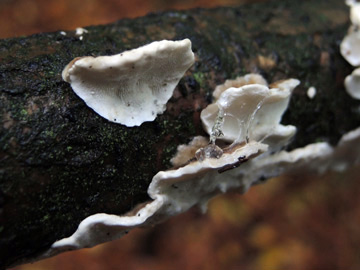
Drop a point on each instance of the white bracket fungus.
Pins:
(315, 158)
(243, 119)
(134, 86)
(251, 78)
(354, 11)
(350, 50)
(173, 192)
(350, 45)
(210, 170)
(352, 84)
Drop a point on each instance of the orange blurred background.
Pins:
(25, 17)
(286, 223)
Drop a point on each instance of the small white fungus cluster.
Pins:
(350, 50)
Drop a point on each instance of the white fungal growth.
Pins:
(350, 50)
(250, 78)
(173, 192)
(311, 92)
(134, 86)
(210, 170)
(80, 31)
(252, 112)
(354, 11)
(352, 84)
(350, 46)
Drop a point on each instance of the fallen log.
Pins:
(61, 162)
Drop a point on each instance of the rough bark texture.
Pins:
(61, 162)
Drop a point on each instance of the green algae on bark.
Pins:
(61, 162)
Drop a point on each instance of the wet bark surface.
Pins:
(61, 162)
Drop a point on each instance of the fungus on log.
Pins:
(134, 86)
(352, 84)
(61, 162)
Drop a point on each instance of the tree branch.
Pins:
(61, 162)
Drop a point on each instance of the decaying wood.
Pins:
(61, 162)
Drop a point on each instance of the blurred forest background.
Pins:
(287, 223)
(26, 17)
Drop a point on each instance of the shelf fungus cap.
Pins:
(134, 86)
(350, 46)
(202, 178)
(252, 112)
(354, 11)
(352, 84)
(251, 78)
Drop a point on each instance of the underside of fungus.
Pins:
(134, 86)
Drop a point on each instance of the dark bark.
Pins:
(61, 162)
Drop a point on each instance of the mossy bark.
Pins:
(61, 162)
